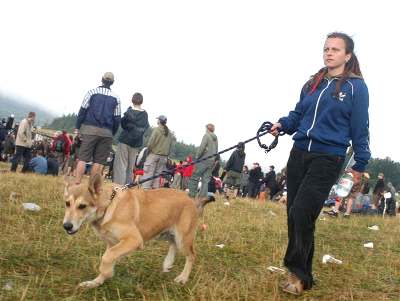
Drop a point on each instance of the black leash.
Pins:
(264, 129)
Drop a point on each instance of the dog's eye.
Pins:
(67, 204)
(82, 206)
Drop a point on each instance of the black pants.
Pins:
(21, 152)
(310, 176)
(253, 189)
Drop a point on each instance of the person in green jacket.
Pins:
(159, 147)
(208, 146)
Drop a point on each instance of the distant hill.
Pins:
(20, 109)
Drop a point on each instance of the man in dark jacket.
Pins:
(378, 191)
(255, 178)
(270, 182)
(134, 124)
(233, 169)
(98, 120)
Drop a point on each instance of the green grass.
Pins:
(41, 262)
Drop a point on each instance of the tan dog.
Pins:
(133, 217)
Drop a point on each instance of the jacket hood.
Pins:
(351, 75)
(213, 136)
(139, 118)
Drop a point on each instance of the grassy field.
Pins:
(39, 261)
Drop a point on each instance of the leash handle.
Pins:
(264, 129)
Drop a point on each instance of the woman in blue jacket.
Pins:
(332, 111)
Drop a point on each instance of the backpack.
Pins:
(60, 146)
(141, 158)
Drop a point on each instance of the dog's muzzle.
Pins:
(68, 227)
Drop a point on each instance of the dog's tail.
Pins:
(202, 202)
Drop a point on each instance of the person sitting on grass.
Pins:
(357, 190)
(52, 165)
(38, 164)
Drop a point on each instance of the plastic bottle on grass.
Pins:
(345, 184)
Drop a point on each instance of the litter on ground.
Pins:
(329, 258)
(31, 207)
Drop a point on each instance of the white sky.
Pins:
(232, 63)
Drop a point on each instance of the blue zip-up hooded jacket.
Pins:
(326, 123)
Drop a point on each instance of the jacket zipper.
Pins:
(315, 112)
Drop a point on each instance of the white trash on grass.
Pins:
(329, 258)
(31, 207)
(8, 286)
(374, 227)
(220, 246)
(227, 203)
(273, 269)
(369, 245)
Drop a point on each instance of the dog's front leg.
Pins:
(112, 254)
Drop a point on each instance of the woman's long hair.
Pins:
(351, 67)
(166, 129)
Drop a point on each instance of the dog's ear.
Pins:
(67, 184)
(95, 183)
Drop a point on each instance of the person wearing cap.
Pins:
(98, 121)
(23, 143)
(203, 170)
(134, 124)
(159, 148)
(233, 169)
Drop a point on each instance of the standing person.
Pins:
(203, 171)
(134, 124)
(332, 111)
(244, 181)
(159, 148)
(74, 156)
(255, 178)
(23, 143)
(270, 182)
(61, 147)
(98, 120)
(187, 172)
(233, 169)
(379, 189)
(390, 202)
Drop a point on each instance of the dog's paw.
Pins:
(181, 279)
(89, 284)
(167, 269)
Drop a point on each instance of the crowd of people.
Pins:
(21, 143)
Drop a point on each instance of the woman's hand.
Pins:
(275, 129)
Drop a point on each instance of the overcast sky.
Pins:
(232, 63)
